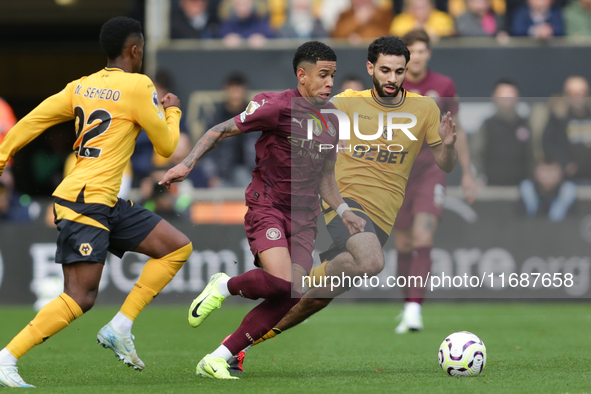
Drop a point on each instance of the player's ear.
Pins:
(369, 68)
(301, 75)
(134, 50)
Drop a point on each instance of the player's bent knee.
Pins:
(278, 289)
(185, 252)
(179, 256)
(85, 302)
(373, 265)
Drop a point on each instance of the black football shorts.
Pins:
(88, 231)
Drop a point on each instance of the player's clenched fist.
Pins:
(177, 173)
(447, 130)
(170, 100)
(354, 223)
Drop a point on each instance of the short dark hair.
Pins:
(387, 45)
(419, 35)
(235, 78)
(505, 81)
(115, 33)
(311, 52)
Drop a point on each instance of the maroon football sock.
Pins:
(258, 322)
(421, 266)
(255, 284)
(404, 262)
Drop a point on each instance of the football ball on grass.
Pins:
(462, 354)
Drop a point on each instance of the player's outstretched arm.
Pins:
(445, 154)
(329, 192)
(207, 142)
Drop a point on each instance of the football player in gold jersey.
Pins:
(110, 108)
(372, 173)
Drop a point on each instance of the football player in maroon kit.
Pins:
(417, 219)
(281, 221)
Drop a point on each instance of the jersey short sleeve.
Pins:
(261, 114)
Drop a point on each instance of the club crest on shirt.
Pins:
(331, 129)
(317, 129)
(273, 234)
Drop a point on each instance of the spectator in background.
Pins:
(503, 148)
(193, 19)
(352, 82)
(364, 20)
(577, 18)
(15, 207)
(330, 10)
(458, 7)
(480, 20)
(567, 136)
(421, 14)
(539, 19)
(235, 159)
(548, 193)
(168, 204)
(301, 22)
(7, 120)
(245, 24)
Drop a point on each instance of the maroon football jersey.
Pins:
(288, 164)
(436, 86)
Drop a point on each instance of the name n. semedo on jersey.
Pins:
(97, 93)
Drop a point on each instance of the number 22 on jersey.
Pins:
(83, 138)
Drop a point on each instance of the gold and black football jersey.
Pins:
(110, 108)
(374, 171)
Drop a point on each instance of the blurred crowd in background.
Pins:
(543, 149)
(255, 21)
(545, 153)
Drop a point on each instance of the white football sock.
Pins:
(6, 358)
(222, 352)
(223, 288)
(412, 308)
(122, 323)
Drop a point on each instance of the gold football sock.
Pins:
(157, 273)
(50, 320)
(317, 275)
(271, 334)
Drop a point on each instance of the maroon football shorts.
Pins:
(267, 227)
(425, 192)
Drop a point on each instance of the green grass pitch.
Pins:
(347, 348)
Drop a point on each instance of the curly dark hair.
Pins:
(387, 45)
(115, 33)
(311, 52)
